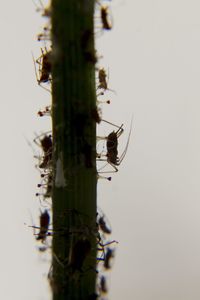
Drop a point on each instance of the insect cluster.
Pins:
(107, 156)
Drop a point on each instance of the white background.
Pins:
(153, 202)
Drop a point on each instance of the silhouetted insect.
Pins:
(106, 24)
(103, 81)
(44, 225)
(80, 251)
(108, 256)
(103, 226)
(112, 147)
(46, 145)
(103, 285)
(44, 62)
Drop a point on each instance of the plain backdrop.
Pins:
(153, 202)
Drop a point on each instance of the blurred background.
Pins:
(152, 55)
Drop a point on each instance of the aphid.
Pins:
(112, 147)
(106, 24)
(80, 251)
(47, 146)
(44, 225)
(103, 226)
(103, 285)
(44, 62)
(108, 256)
(103, 84)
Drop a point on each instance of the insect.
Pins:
(108, 256)
(103, 222)
(44, 225)
(80, 251)
(103, 226)
(103, 285)
(44, 62)
(112, 147)
(47, 146)
(103, 81)
(106, 23)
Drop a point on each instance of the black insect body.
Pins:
(107, 259)
(47, 146)
(44, 225)
(105, 18)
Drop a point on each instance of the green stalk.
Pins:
(74, 150)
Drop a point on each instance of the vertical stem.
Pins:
(74, 144)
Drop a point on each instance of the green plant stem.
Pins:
(74, 150)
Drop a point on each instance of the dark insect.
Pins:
(106, 24)
(47, 146)
(112, 147)
(44, 225)
(102, 79)
(108, 256)
(103, 226)
(103, 285)
(44, 62)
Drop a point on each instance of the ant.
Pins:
(112, 147)
(44, 225)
